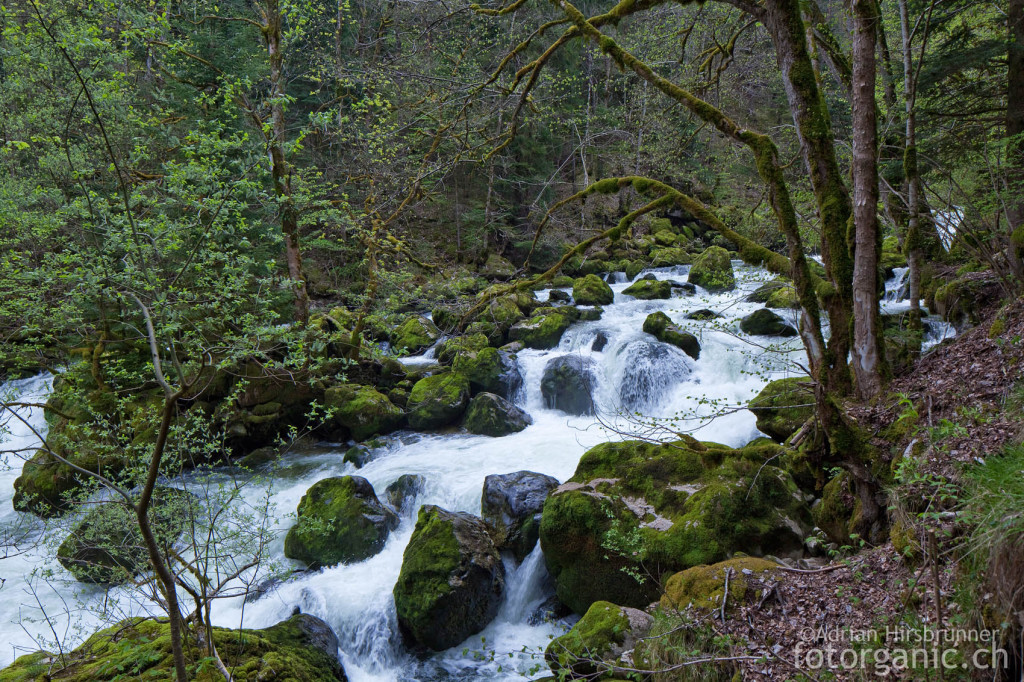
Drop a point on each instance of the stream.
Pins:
(635, 373)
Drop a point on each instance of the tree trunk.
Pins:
(868, 351)
(912, 242)
(280, 170)
(1015, 116)
(814, 130)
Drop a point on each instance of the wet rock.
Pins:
(592, 290)
(340, 520)
(712, 270)
(557, 295)
(438, 400)
(452, 580)
(415, 335)
(540, 331)
(600, 341)
(783, 406)
(703, 314)
(764, 322)
(491, 415)
(401, 494)
(662, 328)
(512, 504)
(649, 289)
(601, 645)
(567, 384)
(490, 370)
(362, 410)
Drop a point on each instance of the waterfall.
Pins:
(897, 287)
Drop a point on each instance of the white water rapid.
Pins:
(635, 373)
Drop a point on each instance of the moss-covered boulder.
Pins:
(783, 297)
(837, 512)
(592, 290)
(490, 370)
(106, 546)
(764, 322)
(702, 588)
(415, 335)
(712, 270)
(512, 504)
(662, 328)
(783, 406)
(703, 314)
(765, 291)
(540, 331)
(649, 289)
(568, 384)
(340, 521)
(601, 646)
(635, 513)
(300, 649)
(363, 410)
(496, 267)
(449, 349)
(666, 257)
(452, 580)
(492, 415)
(963, 301)
(438, 400)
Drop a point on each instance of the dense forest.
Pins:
(399, 340)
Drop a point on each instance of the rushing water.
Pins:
(634, 373)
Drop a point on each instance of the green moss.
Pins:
(661, 327)
(438, 400)
(540, 331)
(712, 270)
(363, 410)
(448, 350)
(783, 406)
(141, 650)
(667, 257)
(340, 520)
(492, 415)
(592, 290)
(703, 587)
(835, 512)
(647, 289)
(415, 335)
(783, 297)
(582, 651)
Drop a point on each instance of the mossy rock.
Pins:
(601, 644)
(665, 238)
(783, 406)
(632, 508)
(452, 580)
(647, 289)
(764, 322)
(540, 331)
(340, 521)
(836, 511)
(765, 291)
(363, 410)
(666, 257)
(783, 297)
(512, 505)
(662, 328)
(449, 349)
(107, 547)
(962, 301)
(891, 258)
(300, 649)
(703, 314)
(438, 400)
(491, 415)
(702, 588)
(592, 290)
(490, 370)
(402, 492)
(712, 270)
(497, 267)
(415, 335)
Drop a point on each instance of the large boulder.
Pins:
(452, 580)
(540, 331)
(438, 400)
(497, 267)
(764, 322)
(449, 349)
(648, 289)
(712, 270)
(492, 415)
(512, 504)
(602, 645)
(568, 384)
(765, 291)
(107, 547)
(783, 297)
(783, 406)
(302, 647)
(490, 370)
(670, 256)
(340, 521)
(363, 410)
(592, 290)
(702, 588)
(635, 513)
(415, 335)
(661, 327)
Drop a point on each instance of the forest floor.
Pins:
(963, 401)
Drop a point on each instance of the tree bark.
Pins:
(783, 20)
(868, 351)
(912, 242)
(280, 169)
(1015, 115)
